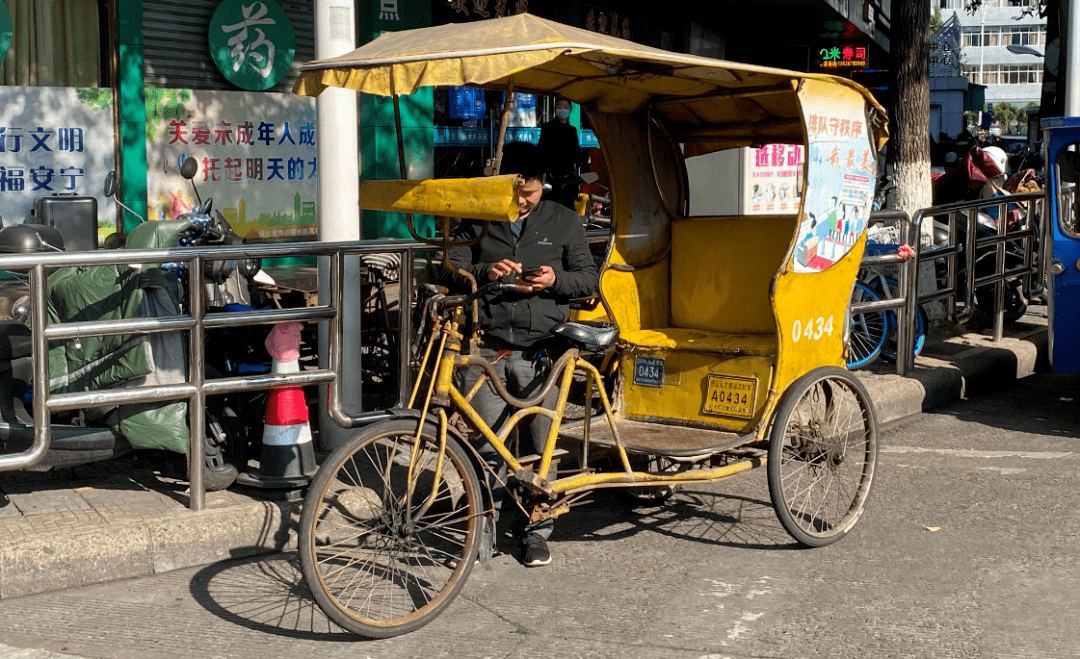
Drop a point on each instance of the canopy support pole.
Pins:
(495, 163)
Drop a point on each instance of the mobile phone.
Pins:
(531, 272)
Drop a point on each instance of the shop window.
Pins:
(57, 43)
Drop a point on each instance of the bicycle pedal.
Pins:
(534, 459)
(532, 483)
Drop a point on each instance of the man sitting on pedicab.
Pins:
(545, 248)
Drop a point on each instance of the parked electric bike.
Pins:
(86, 436)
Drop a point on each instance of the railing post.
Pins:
(906, 318)
(197, 377)
(405, 286)
(40, 346)
(999, 267)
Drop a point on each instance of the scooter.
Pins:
(83, 437)
(973, 177)
(1016, 301)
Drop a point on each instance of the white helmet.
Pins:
(999, 158)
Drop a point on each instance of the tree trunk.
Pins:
(909, 125)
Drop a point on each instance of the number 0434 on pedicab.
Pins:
(717, 345)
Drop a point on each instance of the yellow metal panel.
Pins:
(811, 309)
(639, 299)
(722, 270)
(762, 345)
(686, 387)
(490, 198)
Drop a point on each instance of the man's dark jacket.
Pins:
(552, 236)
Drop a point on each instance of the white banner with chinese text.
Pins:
(55, 140)
(256, 154)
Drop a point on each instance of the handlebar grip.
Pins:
(504, 287)
(495, 287)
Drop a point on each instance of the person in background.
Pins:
(561, 154)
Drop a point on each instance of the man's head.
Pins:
(523, 159)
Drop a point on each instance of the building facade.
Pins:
(136, 86)
(985, 36)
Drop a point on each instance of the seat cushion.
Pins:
(759, 345)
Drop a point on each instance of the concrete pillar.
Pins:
(338, 151)
(131, 112)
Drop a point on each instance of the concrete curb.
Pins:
(72, 558)
(61, 559)
(978, 365)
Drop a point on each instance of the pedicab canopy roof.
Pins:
(709, 103)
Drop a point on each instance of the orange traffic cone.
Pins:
(287, 460)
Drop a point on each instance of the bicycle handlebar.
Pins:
(495, 287)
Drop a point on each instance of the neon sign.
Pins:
(844, 57)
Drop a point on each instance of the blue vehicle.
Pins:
(1063, 273)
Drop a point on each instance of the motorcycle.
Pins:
(981, 174)
(86, 436)
(1016, 302)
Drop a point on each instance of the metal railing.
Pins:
(962, 220)
(196, 322)
(1031, 269)
(908, 232)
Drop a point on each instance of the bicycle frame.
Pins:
(442, 392)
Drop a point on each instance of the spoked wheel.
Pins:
(888, 351)
(822, 454)
(866, 332)
(381, 555)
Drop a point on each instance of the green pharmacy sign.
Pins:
(252, 42)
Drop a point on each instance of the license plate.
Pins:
(731, 396)
(649, 371)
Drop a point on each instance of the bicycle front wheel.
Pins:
(867, 331)
(388, 535)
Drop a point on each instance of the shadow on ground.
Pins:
(265, 594)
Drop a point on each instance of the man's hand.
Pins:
(546, 279)
(503, 268)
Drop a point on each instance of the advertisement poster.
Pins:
(774, 179)
(55, 140)
(840, 181)
(256, 154)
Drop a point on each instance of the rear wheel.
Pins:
(1016, 303)
(653, 495)
(384, 552)
(822, 454)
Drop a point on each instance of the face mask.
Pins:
(562, 114)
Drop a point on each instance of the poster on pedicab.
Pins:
(841, 167)
(256, 153)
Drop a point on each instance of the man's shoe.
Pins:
(536, 551)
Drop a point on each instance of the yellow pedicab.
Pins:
(725, 350)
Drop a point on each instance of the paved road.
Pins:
(968, 549)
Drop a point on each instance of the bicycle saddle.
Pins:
(588, 335)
